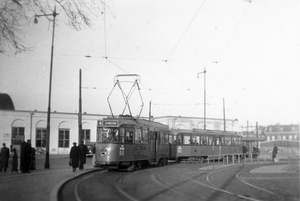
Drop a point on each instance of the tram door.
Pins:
(153, 144)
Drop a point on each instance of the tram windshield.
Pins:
(108, 135)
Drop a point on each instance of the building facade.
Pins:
(282, 132)
(18, 126)
(190, 123)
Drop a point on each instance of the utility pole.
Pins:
(224, 114)
(54, 14)
(80, 111)
(150, 111)
(204, 72)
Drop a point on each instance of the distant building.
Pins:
(282, 132)
(190, 123)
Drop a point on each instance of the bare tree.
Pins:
(15, 16)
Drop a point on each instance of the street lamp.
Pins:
(204, 72)
(54, 14)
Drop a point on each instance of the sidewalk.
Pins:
(41, 184)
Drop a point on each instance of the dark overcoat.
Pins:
(83, 152)
(75, 155)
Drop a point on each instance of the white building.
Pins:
(17, 126)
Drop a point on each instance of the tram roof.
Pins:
(202, 131)
(131, 120)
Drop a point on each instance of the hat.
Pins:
(74, 143)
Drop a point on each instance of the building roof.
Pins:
(6, 102)
(282, 128)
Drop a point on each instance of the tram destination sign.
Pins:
(110, 123)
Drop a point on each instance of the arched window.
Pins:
(41, 132)
(64, 135)
(18, 131)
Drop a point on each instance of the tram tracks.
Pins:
(167, 183)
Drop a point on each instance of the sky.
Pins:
(249, 49)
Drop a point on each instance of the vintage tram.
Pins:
(127, 143)
(198, 144)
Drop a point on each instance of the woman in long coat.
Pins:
(14, 164)
(74, 156)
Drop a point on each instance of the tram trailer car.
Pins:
(198, 144)
(128, 143)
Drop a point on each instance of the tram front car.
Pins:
(124, 143)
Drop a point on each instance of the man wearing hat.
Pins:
(74, 156)
(4, 156)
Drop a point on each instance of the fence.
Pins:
(214, 161)
(293, 162)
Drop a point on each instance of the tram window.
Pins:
(129, 136)
(145, 136)
(186, 139)
(122, 135)
(210, 140)
(138, 135)
(195, 139)
(166, 138)
(217, 141)
(222, 140)
(227, 140)
(109, 135)
(178, 139)
(162, 138)
(234, 141)
(204, 140)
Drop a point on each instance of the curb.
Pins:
(54, 192)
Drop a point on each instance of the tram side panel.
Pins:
(109, 154)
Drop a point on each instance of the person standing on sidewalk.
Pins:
(83, 152)
(274, 152)
(4, 156)
(75, 156)
(14, 164)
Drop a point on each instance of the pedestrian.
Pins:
(74, 156)
(24, 157)
(274, 153)
(14, 164)
(83, 152)
(94, 156)
(27, 156)
(4, 156)
(32, 159)
(245, 151)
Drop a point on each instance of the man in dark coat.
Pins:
(4, 156)
(74, 156)
(83, 152)
(274, 152)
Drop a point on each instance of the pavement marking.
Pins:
(237, 176)
(76, 187)
(123, 192)
(219, 189)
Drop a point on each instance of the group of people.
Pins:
(27, 158)
(78, 155)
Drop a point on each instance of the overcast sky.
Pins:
(251, 52)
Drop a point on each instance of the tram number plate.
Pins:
(122, 150)
(179, 149)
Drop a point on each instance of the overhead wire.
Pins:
(185, 30)
(232, 33)
(104, 16)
